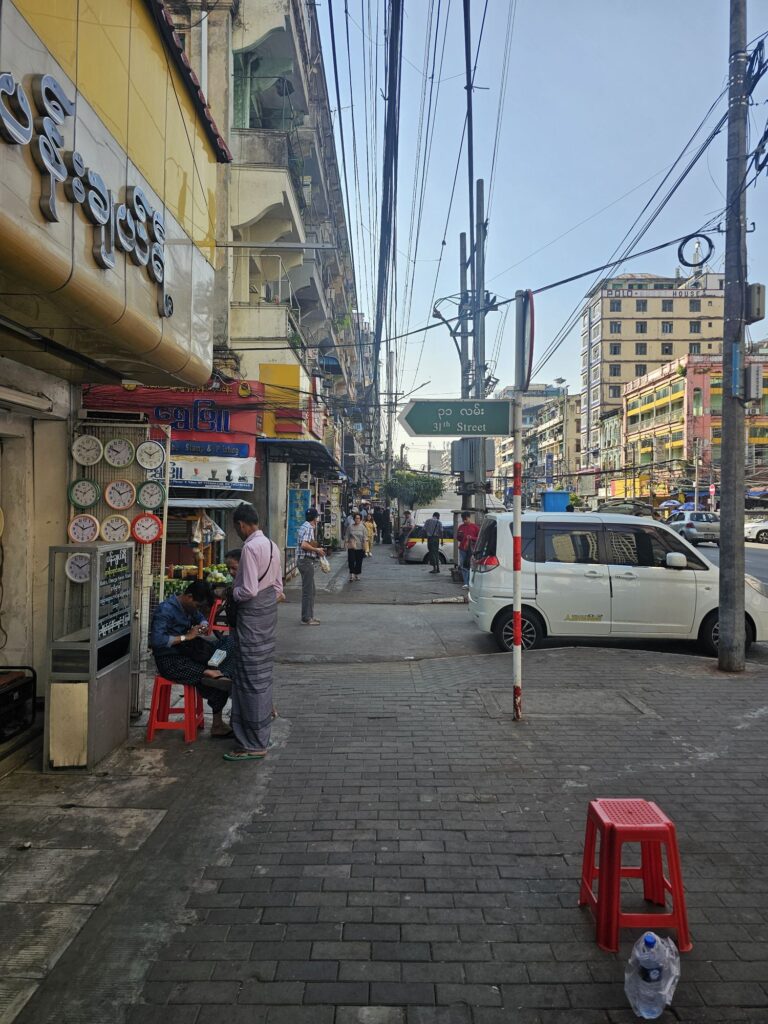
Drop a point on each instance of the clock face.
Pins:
(84, 493)
(150, 494)
(150, 455)
(78, 568)
(87, 450)
(119, 452)
(83, 528)
(115, 529)
(120, 494)
(146, 529)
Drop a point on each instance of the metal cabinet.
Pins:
(90, 617)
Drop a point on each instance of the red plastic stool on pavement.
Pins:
(631, 821)
(190, 711)
(216, 607)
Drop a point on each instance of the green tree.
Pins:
(413, 489)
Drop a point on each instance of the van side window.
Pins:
(486, 540)
(569, 544)
(529, 541)
(672, 542)
(637, 546)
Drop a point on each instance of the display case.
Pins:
(90, 618)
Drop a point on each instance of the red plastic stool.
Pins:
(631, 821)
(160, 712)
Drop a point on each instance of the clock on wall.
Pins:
(150, 494)
(83, 493)
(78, 568)
(150, 455)
(115, 529)
(146, 528)
(87, 450)
(120, 494)
(83, 528)
(119, 452)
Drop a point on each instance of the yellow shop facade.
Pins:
(108, 166)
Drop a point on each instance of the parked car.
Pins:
(416, 545)
(696, 527)
(601, 575)
(757, 531)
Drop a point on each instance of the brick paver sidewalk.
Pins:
(416, 857)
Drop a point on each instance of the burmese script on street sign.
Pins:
(456, 417)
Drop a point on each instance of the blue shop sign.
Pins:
(228, 449)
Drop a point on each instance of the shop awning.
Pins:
(307, 453)
(195, 503)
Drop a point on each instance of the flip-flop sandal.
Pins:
(245, 755)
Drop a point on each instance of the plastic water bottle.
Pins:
(651, 975)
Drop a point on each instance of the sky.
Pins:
(601, 97)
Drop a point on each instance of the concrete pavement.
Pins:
(407, 855)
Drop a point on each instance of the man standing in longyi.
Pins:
(258, 586)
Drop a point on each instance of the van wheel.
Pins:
(441, 556)
(532, 627)
(762, 537)
(709, 634)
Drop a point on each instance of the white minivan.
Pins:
(601, 576)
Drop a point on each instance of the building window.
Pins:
(694, 348)
(666, 327)
(640, 369)
(615, 306)
(641, 327)
(641, 348)
(614, 391)
(615, 326)
(614, 349)
(720, 283)
(694, 326)
(666, 348)
(694, 305)
(641, 305)
(667, 305)
(615, 370)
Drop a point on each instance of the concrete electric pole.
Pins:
(732, 625)
(479, 336)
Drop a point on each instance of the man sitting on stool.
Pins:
(181, 654)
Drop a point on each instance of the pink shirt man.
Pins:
(255, 563)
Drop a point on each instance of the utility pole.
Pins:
(479, 336)
(696, 474)
(463, 313)
(732, 639)
(392, 397)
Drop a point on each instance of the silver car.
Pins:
(757, 531)
(697, 527)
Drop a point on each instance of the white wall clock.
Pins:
(150, 494)
(146, 529)
(83, 493)
(78, 568)
(150, 455)
(83, 528)
(87, 450)
(115, 529)
(120, 494)
(119, 452)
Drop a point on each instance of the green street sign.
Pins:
(457, 417)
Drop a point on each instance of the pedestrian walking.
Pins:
(308, 552)
(378, 519)
(348, 522)
(370, 529)
(467, 538)
(258, 586)
(405, 528)
(433, 531)
(356, 539)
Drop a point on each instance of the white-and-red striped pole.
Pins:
(517, 556)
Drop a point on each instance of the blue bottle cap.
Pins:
(649, 940)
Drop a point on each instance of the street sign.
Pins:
(458, 417)
(549, 469)
(523, 339)
(712, 490)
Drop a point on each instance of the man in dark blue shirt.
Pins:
(179, 621)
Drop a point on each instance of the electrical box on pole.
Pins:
(755, 303)
(753, 382)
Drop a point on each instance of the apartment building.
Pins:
(286, 308)
(633, 323)
(551, 446)
(533, 399)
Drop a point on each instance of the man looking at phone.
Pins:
(177, 624)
